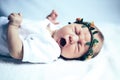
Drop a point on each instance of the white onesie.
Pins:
(38, 45)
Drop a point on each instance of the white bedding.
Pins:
(105, 66)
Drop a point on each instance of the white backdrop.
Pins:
(97, 10)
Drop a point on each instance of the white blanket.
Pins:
(103, 67)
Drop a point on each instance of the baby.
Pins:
(76, 41)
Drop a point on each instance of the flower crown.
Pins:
(91, 27)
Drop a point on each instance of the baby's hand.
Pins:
(15, 19)
(53, 17)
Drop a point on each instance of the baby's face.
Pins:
(72, 40)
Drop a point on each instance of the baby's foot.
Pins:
(52, 17)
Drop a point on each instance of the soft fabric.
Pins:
(3, 40)
(38, 45)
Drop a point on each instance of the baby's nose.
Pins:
(73, 39)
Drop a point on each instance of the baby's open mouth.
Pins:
(62, 42)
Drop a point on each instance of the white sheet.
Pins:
(105, 66)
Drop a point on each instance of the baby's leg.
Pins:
(14, 42)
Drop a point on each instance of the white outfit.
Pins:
(38, 45)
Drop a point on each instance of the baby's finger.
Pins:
(10, 16)
(14, 14)
(19, 14)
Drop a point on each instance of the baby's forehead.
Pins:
(75, 24)
(79, 26)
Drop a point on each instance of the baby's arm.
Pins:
(14, 42)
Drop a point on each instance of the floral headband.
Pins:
(91, 27)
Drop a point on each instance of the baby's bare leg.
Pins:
(14, 42)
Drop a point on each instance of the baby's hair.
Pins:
(93, 30)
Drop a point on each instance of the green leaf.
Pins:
(88, 24)
(84, 26)
(81, 20)
(95, 32)
(91, 28)
(88, 43)
(95, 41)
(91, 52)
